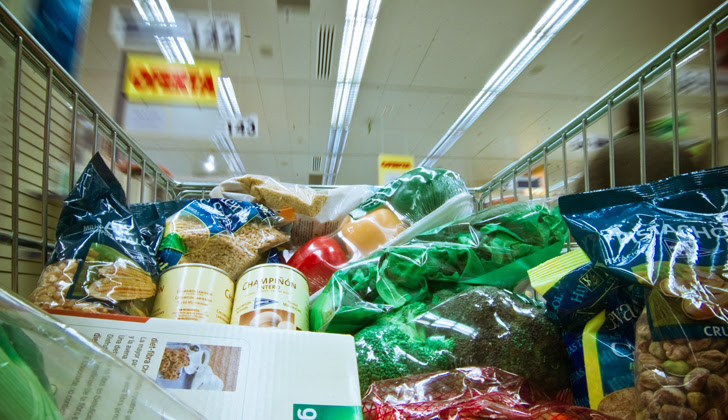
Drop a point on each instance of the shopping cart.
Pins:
(51, 127)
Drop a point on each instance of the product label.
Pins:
(326, 412)
(272, 296)
(194, 294)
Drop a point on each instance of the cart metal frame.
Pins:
(48, 109)
(663, 64)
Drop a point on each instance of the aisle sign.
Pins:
(244, 126)
(153, 79)
(393, 166)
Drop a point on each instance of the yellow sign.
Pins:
(393, 166)
(154, 79)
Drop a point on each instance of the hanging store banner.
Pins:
(152, 79)
(393, 166)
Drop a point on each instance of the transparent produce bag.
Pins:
(672, 237)
(49, 371)
(417, 201)
(493, 247)
(482, 326)
(102, 262)
(466, 394)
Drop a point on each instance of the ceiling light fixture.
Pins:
(209, 164)
(175, 49)
(225, 145)
(557, 15)
(361, 18)
(142, 13)
(227, 103)
(185, 50)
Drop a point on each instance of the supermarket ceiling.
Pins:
(427, 61)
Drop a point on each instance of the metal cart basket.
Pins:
(49, 125)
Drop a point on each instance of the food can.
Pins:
(271, 296)
(194, 292)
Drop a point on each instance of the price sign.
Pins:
(245, 126)
(217, 34)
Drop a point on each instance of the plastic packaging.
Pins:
(482, 326)
(466, 394)
(492, 247)
(597, 314)
(49, 371)
(273, 194)
(671, 236)
(227, 234)
(400, 209)
(101, 262)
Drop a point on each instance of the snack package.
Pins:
(492, 247)
(597, 314)
(466, 394)
(227, 234)
(273, 194)
(318, 213)
(482, 326)
(339, 202)
(101, 262)
(49, 371)
(417, 201)
(672, 237)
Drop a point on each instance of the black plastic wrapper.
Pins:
(102, 262)
(672, 237)
(482, 326)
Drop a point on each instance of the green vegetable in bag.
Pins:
(482, 326)
(24, 389)
(493, 247)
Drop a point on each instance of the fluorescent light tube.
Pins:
(175, 48)
(155, 11)
(141, 11)
(555, 17)
(185, 50)
(165, 50)
(165, 9)
(361, 19)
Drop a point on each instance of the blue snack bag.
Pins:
(597, 315)
(672, 237)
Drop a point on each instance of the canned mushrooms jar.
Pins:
(271, 296)
(194, 292)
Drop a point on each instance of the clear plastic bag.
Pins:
(482, 326)
(49, 371)
(492, 247)
(466, 394)
(401, 209)
(273, 194)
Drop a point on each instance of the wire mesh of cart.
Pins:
(683, 84)
(50, 127)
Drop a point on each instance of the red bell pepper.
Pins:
(318, 259)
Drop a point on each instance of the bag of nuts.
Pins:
(672, 237)
(101, 262)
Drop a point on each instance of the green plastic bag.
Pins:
(494, 247)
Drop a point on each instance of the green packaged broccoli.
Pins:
(482, 326)
(494, 247)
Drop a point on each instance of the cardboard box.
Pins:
(233, 372)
